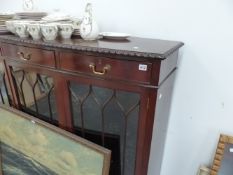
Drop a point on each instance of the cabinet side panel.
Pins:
(167, 66)
(160, 125)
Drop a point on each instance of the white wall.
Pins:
(202, 105)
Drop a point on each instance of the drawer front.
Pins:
(29, 55)
(106, 67)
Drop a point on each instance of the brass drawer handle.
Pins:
(23, 57)
(103, 72)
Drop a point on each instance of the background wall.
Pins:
(202, 105)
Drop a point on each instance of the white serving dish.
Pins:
(114, 35)
(34, 30)
(49, 31)
(66, 30)
(21, 28)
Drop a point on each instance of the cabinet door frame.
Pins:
(146, 112)
(7, 101)
(30, 68)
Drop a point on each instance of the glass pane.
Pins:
(4, 95)
(36, 94)
(109, 118)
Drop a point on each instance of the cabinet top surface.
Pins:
(133, 47)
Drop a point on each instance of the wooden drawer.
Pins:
(29, 55)
(106, 67)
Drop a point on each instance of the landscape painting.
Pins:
(29, 146)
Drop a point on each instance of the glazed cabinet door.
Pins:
(106, 104)
(35, 93)
(110, 118)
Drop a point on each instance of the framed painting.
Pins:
(223, 159)
(31, 146)
(0, 160)
(203, 170)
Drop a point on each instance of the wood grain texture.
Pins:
(134, 47)
(126, 70)
(34, 56)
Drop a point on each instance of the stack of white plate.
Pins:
(56, 17)
(31, 15)
(3, 30)
(76, 32)
(3, 18)
(76, 22)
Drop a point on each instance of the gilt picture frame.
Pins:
(1, 173)
(223, 159)
(29, 145)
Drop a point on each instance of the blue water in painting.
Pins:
(16, 163)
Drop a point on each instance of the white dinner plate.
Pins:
(114, 35)
(31, 13)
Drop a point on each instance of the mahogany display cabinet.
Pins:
(108, 92)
